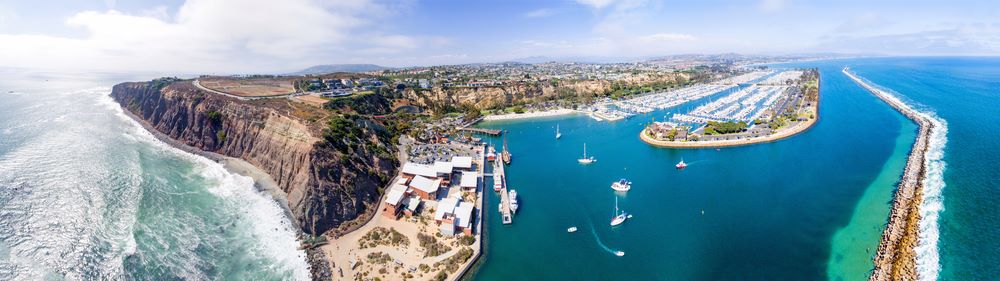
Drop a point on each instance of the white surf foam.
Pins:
(928, 255)
(276, 236)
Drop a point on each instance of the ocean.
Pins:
(809, 207)
(87, 194)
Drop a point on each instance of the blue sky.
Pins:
(243, 36)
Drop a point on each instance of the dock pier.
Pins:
(498, 171)
(491, 132)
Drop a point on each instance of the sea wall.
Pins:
(326, 188)
(896, 256)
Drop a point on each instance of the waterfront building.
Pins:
(463, 163)
(463, 218)
(425, 188)
(392, 205)
(445, 213)
(412, 205)
(470, 180)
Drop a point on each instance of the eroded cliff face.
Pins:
(327, 188)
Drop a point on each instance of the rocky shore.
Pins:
(896, 256)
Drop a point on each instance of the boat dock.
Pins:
(491, 132)
(498, 171)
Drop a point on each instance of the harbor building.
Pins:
(425, 188)
(469, 182)
(412, 206)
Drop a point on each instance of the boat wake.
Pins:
(928, 256)
(597, 238)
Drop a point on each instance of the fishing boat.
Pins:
(491, 155)
(585, 159)
(681, 165)
(513, 201)
(621, 185)
(558, 134)
(620, 215)
(571, 229)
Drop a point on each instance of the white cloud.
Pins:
(597, 4)
(666, 37)
(206, 36)
(540, 13)
(772, 5)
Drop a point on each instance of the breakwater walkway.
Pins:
(896, 255)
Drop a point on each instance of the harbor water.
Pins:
(808, 207)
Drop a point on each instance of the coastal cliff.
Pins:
(332, 180)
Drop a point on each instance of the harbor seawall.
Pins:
(895, 258)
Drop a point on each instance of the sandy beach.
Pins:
(529, 115)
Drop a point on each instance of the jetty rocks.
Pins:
(328, 187)
(896, 256)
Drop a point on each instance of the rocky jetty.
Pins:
(896, 257)
(332, 181)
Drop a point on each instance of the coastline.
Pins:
(794, 130)
(529, 115)
(896, 256)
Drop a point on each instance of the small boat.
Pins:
(681, 165)
(621, 185)
(513, 201)
(586, 160)
(571, 229)
(620, 253)
(620, 216)
(558, 134)
(492, 154)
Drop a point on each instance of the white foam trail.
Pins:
(274, 232)
(928, 255)
(928, 263)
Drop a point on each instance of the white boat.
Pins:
(586, 160)
(558, 134)
(620, 253)
(492, 154)
(621, 185)
(620, 215)
(571, 229)
(513, 200)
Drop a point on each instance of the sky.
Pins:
(263, 36)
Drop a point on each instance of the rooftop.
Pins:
(425, 184)
(446, 206)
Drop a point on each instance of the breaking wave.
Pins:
(928, 255)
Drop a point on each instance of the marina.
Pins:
(728, 220)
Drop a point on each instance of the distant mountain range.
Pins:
(331, 68)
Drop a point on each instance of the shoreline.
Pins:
(789, 132)
(896, 255)
(529, 115)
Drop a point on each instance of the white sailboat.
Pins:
(585, 159)
(620, 215)
(558, 134)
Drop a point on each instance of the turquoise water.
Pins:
(966, 93)
(87, 194)
(808, 207)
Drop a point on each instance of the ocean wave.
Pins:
(928, 255)
(275, 235)
(928, 263)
